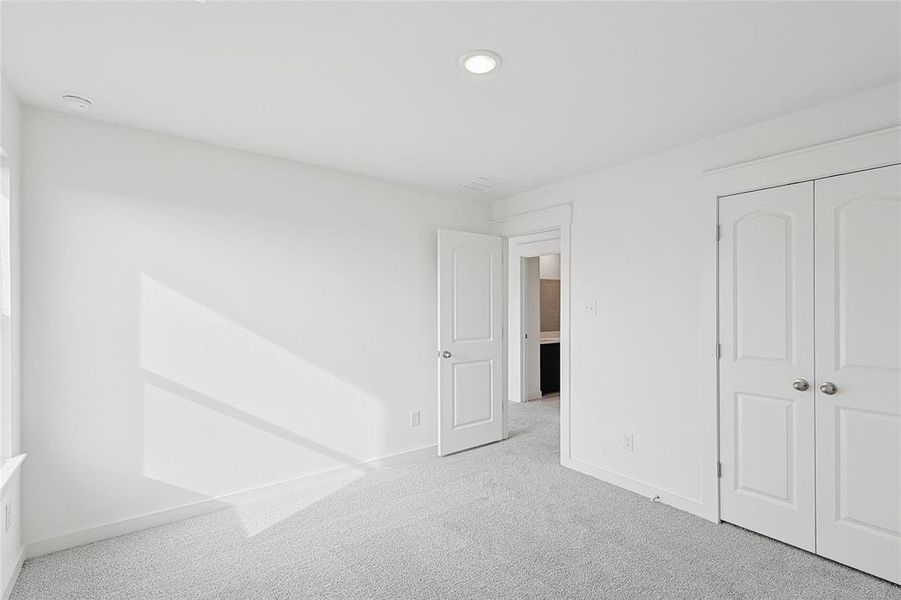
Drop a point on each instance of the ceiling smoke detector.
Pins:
(77, 103)
(480, 62)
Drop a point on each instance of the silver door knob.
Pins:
(828, 388)
(801, 385)
(446, 354)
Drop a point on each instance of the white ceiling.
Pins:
(375, 88)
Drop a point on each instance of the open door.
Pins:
(470, 338)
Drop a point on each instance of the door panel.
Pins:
(471, 298)
(765, 470)
(763, 278)
(470, 321)
(472, 392)
(766, 332)
(858, 282)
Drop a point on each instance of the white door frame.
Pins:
(539, 230)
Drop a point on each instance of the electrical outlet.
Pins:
(414, 418)
(628, 442)
(590, 307)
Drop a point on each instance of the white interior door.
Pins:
(767, 353)
(531, 326)
(470, 337)
(858, 316)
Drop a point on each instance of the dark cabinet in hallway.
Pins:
(550, 368)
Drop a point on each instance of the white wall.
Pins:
(643, 246)
(10, 541)
(201, 321)
(549, 266)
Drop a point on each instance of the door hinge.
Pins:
(719, 351)
(719, 470)
(717, 233)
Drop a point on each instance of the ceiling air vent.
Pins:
(482, 184)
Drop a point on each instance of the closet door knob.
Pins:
(801, 385)
(828, 388)
(446, 354)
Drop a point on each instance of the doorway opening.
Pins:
(537, 344)
(541, 326)
(537, 317)
(480, 329)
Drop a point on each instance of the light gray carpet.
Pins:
(503, 521)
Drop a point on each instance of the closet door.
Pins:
(766, 334)
(858, 392)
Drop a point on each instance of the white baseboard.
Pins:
(112, 529)
(14, 576)
(108, 530)
(668, 497)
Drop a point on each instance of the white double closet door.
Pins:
(810, 367)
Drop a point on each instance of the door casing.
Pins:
(553, 224)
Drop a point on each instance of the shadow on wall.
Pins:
(225, 409)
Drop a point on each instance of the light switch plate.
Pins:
(590, 307)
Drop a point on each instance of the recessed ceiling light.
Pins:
(480, 62)
(76, 103)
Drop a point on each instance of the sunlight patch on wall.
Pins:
(195, 347)
(196, 448)
(226, 410)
